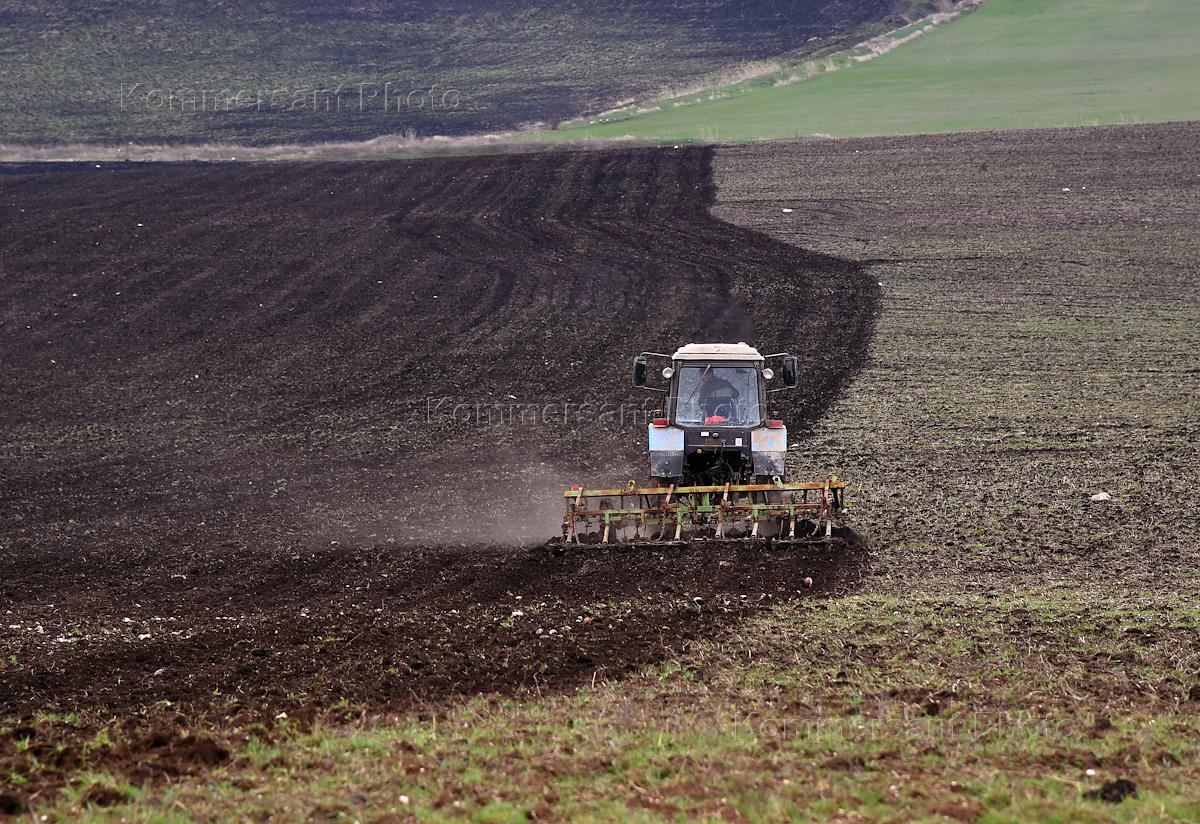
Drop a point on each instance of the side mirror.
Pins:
(639, 371)
(791, 369)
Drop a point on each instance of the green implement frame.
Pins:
(779, 512)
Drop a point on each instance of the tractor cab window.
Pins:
(717, 396)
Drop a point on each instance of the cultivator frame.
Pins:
(676, 515)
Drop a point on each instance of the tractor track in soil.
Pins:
(266, 440)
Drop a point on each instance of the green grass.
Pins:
(964, 707)
(1011, 64)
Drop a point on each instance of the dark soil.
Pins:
(300, 71)
(1114, 792)
(285, 353)
(284, 439)
(379, 627)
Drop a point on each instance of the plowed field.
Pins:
(279, 437)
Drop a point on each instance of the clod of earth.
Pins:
(1114, 792)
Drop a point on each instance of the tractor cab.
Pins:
(716, 394)
(715, 425)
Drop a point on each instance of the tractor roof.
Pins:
(717, 351)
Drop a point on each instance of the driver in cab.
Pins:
(717, 398)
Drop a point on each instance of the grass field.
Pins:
(1011, 64)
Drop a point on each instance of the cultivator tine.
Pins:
(661, 512)
(681, 513)
(570, 536)
(826, 512)
(723, 512)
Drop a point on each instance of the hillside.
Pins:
(1011, 64)
(296, 70)
(235, 555)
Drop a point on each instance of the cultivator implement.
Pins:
(778, 512)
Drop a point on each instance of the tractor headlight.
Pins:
(667, 372)
(768, 373)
